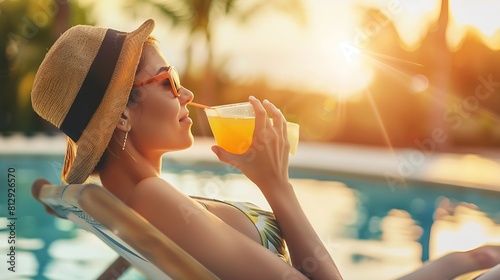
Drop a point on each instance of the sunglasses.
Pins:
(171, 75)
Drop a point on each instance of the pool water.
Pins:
(362, 220)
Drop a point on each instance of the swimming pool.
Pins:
(365, 219)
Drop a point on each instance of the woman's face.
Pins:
(159, 120)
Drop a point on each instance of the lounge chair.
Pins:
(138, 243)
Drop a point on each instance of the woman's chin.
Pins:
(188, 143)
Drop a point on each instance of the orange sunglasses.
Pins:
(171, 75)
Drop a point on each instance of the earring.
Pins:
(125, 141)
(122, 123)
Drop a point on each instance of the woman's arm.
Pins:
(457, 263)
(266, 164)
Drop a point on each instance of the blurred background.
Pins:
(398, 103)
(394, 70)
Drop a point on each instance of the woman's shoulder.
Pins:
(155, 191)
(164, 205)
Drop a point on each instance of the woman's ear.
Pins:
(124, 122)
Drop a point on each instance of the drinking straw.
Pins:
(199, 105)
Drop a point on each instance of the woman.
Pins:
(122, 107)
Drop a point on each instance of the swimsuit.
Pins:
(265, 223)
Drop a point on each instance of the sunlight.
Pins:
(362, 58)
(355, 53)
(340, 70)
(351, 53)
(380, 122)
(348, 73)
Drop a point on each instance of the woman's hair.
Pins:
(134, 98)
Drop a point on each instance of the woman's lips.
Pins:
(186, 119)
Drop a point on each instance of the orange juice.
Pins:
(232, 134)
(235, 134)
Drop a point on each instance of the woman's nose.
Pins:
(186, 95)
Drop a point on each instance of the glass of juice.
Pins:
(233, 125)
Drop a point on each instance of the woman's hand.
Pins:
(266, 160)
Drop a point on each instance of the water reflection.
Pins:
(396, 253)
(459, 227)
(83, 257)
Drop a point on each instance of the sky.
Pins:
(316, 56)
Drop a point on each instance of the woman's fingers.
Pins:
(279, 122)
(261, 119)
(263, 132)
(269, 124)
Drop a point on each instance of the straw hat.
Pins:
(82, 87)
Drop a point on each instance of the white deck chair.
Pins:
(95, 209)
